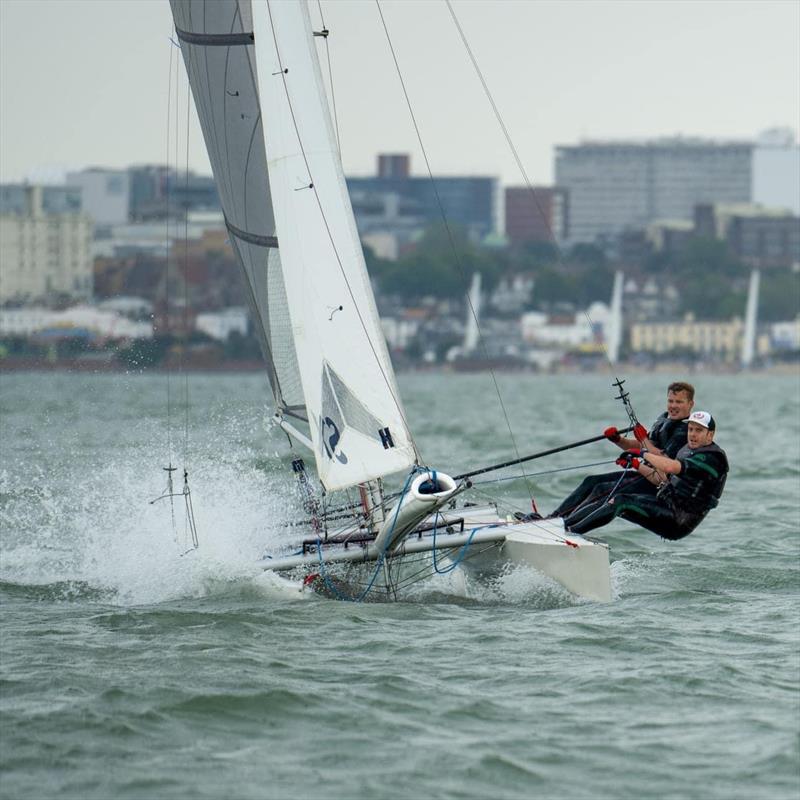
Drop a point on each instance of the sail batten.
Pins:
(275, 158)
(217, 43)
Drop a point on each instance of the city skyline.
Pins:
(587, 70)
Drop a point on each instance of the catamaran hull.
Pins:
(580, 566)
(486, 546)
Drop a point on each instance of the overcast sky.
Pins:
(84, 82)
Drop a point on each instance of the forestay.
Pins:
(356, 419)
(216, 38)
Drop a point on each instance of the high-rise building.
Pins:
(776, 170)
(44, 253)
(616, 186)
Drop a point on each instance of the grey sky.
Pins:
(84, 82)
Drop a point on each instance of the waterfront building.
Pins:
(715, 339)
(221, 324)
(45, 241)
(616, 186)
(84, 321)
(105, 194)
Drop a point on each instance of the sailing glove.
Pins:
(630, 458)
(612, 434)
(640, 432)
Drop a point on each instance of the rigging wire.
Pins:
(186, 290)
(167, 260)
(326, 33)
(451, 238)
(528, 184)
(311, 185)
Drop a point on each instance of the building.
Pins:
(760, 237)
(158, 192)
(105, 194)
(776, 170)
(81, 321)
(221, 324)
(616, 186)
(44, 244)
(719, 340)
(539, 214)
(471, 203)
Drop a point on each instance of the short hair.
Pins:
(681, 386)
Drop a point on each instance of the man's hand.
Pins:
(630, 458)
(640, 432)
(612, 434)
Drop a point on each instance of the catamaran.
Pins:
(258, 88)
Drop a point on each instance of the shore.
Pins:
(202, 365)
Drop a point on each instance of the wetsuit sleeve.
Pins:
(703, 465)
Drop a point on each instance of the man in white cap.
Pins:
(694, 482)
(667, 435)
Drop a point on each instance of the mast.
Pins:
(613, 334)
(473, 315)
(750, 321)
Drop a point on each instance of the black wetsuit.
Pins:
(667, 435)
(677, 508)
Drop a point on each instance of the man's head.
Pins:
(680, 400)
(701, 427)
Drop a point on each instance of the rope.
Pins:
(462, 550)
(546, 472)
(186, 293)
(379, 561)
(450, 238)
(330, 78)
(166, 268)
(528, 184)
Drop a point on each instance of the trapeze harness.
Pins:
(679, 505)
(668, 435)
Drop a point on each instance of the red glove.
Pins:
(640, 432)
(630, 458)
(612, 434)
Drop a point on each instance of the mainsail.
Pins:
(256, 81)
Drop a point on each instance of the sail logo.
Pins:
(330, 436)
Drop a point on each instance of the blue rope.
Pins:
(379, 563)
(461, 553)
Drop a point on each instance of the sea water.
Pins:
(134, 669)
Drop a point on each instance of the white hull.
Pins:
(485, 546)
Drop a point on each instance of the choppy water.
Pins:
(129, 671)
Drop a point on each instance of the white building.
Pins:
(44, 253)
(776, 170)
(105, 194)
(221, 324)
(36, 319)
(565, 332)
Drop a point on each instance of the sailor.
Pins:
(694, 482)
(667, 436)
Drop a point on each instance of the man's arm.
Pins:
(662, 463)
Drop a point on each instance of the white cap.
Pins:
(703, 418)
